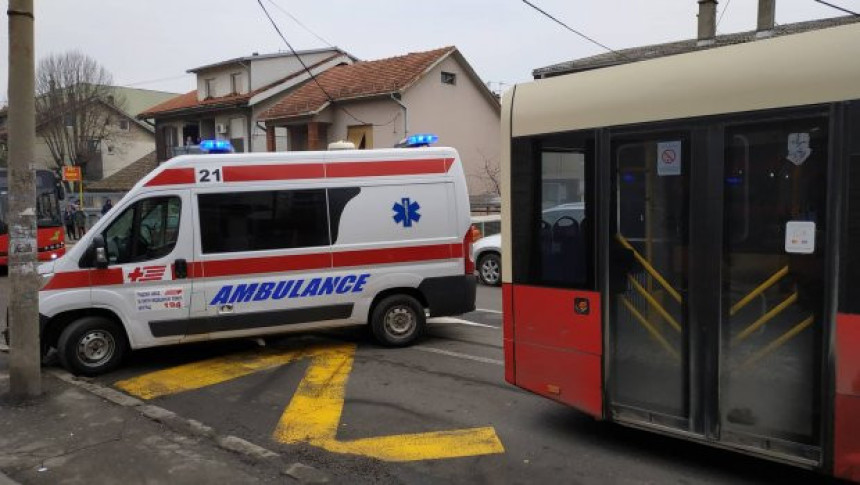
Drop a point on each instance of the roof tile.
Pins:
(357, 80)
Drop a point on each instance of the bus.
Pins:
(51, 234)
(710, 289)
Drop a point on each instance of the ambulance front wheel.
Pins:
(398, 321)
(91, 346)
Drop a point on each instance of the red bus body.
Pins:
(50, 231)
(681, 246)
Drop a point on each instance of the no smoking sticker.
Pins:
(669, 158)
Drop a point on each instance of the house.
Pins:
(127, 138)
(375, 104)
(231, 94)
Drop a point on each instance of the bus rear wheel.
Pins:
(398, 321)
(91, 346)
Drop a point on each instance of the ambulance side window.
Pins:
(265, 220)
(145, 231)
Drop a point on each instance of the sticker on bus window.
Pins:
(798, 148)
(669, 158)
(800, 237)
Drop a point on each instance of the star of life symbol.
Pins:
(406, 212)
(147, 273)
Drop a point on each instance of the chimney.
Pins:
(707, 22)
(766, 18)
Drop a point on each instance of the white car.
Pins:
(487, 254)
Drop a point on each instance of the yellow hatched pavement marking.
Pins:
(208, 372)
(314, 412)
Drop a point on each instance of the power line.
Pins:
(728, 2)
(837, 7)
(299, 22)
(559, 22)
(307, 70)
(151, 81)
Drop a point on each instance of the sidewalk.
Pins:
(71, 435)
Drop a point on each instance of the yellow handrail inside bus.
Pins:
(650, 269)
(654, 303)
(782, 339)
(650, 328)
(765, 318)
(759, 290)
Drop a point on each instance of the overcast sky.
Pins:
(151, 43)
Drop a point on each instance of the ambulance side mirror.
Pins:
(98, 248)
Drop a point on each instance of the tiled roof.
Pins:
(188, 101)
(124, 180)
(642, 53)
(366, 78)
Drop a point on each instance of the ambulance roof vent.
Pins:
(341, 145)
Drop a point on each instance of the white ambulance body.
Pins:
(236, 245)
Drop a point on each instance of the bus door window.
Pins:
(772, 297)
(648, 278)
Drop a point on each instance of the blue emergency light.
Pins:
(216, 146)
(421, 140)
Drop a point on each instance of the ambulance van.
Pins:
(245, 245)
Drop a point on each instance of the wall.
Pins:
(268, 70)
(460, 114)
(125, 147)
(462, 117)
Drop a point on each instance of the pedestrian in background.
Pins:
(69, 221)
(80, 222)
(107, 206)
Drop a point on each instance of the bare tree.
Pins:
(490, 174)
(75, 107)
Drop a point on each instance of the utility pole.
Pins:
(25, 379)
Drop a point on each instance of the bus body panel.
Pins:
(557, 345)
(847, 419)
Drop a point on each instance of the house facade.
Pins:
(376, 104)
(230, 96)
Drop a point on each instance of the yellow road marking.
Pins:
(314, 413)
(204, 373)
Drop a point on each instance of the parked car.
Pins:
(487, 225)
(487, 254)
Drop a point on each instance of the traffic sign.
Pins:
(72, 174)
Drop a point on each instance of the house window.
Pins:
(123, 125)
(236, 83)
(209, 88)
(449, 78)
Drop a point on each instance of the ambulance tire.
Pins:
(398, 321)
(91, 346)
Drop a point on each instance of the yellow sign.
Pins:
(72, 174)
(314, 412)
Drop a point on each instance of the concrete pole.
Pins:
(707, 22)
(766, 17)
(25, 378)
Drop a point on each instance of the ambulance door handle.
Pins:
(180, 267)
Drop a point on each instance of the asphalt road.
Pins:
(368, 414)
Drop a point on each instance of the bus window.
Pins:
(557, 174)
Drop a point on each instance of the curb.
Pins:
(5, 480)
(186, 426)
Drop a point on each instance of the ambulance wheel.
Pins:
(398, 321)
(91, 346)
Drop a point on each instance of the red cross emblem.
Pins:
(147, 273)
